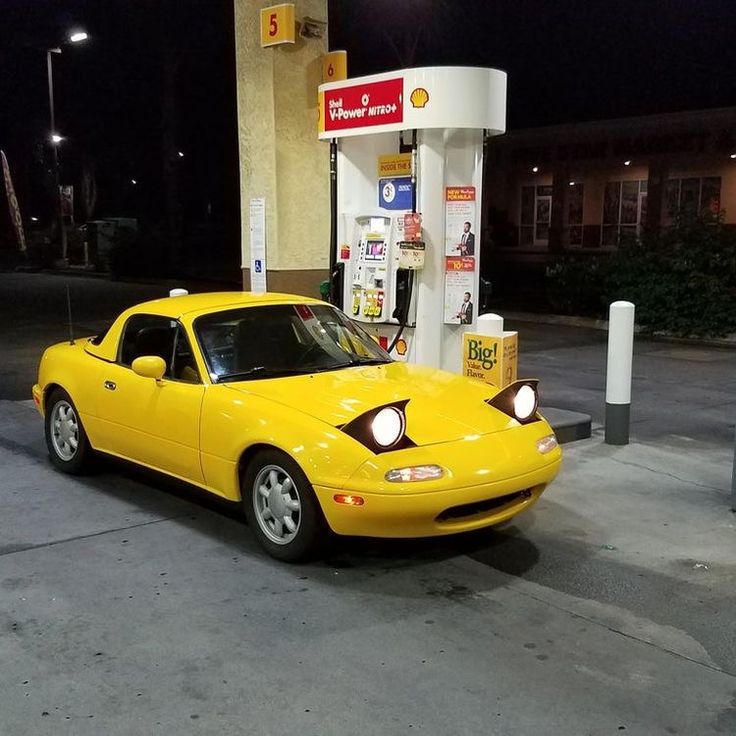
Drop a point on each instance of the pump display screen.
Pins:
(374, 250)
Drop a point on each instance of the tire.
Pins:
(289, 529)
(66, 440)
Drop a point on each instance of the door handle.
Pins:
(110, 385)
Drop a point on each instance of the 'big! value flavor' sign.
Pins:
(364, 105)
(492, 359)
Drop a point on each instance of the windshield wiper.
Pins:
(357, 360)
(260, 370)
(352, 363)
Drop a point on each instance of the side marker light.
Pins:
(348, 500)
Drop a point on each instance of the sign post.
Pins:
(258, 245)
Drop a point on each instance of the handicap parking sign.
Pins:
(258, 265)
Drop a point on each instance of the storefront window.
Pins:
(692, 196)
(624, 210)
(536, 210)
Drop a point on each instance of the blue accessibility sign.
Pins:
(395, 193)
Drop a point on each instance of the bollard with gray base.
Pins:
(733, 478)
(618, 372)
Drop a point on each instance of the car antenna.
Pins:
(69, 310)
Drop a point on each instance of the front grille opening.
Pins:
(483, 507)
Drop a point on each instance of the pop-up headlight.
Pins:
(388, 426)
(381, 429)
(519, 400)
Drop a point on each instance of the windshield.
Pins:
(282, 340)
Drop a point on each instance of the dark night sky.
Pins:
(566, 61)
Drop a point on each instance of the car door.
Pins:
(153, 422)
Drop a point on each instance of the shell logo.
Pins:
(419, 97)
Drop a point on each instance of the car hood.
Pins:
(442, 407)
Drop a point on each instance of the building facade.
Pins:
(580, 188)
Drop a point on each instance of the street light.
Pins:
(76, 36)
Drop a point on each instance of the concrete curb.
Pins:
(569, 426)
(602, 324)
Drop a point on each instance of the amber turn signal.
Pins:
(348, 500)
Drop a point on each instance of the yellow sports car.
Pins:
(284, 403)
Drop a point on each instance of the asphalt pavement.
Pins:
(132, 604)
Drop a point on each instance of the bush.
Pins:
(575, 285)
(682, 280)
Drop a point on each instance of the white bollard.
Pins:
(733, 478)
(490, 325)
(618, 372)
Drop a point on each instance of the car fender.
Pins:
(234, 422)
(68, 366)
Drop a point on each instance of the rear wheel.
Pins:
(66, 440)
(281, 506)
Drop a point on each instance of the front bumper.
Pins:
(512, 472)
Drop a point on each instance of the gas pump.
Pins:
(407, 285)
(381, 271)
(371, 269)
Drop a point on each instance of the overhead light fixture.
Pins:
(181, 154)
(572, 183)
(34, 219)
(627, 162)
(133, 181)
(56, 138)
(78, 36)
(733, 155)
(535, 169)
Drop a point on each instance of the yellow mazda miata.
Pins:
(283, 402)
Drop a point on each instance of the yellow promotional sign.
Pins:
(335, 66)
(278, 25)
(394, 164)
(491, 359)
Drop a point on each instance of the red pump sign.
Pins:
(364, 105)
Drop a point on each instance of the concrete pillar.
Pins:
(655, 196)
(558, 220)
(430, 297)
(280, 156)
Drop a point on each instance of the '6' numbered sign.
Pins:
(278, 25)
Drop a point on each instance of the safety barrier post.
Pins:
(618, 372)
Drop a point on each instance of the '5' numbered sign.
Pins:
(278, 25)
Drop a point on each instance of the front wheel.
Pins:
(281, 507)
(66, 440)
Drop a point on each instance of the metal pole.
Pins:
(55, 155)
(618, 372)
(733, 477)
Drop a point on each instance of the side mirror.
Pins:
(149, 366)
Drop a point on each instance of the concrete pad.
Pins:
(184, 627)
(569, 426)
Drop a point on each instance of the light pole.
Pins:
(55, 138)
